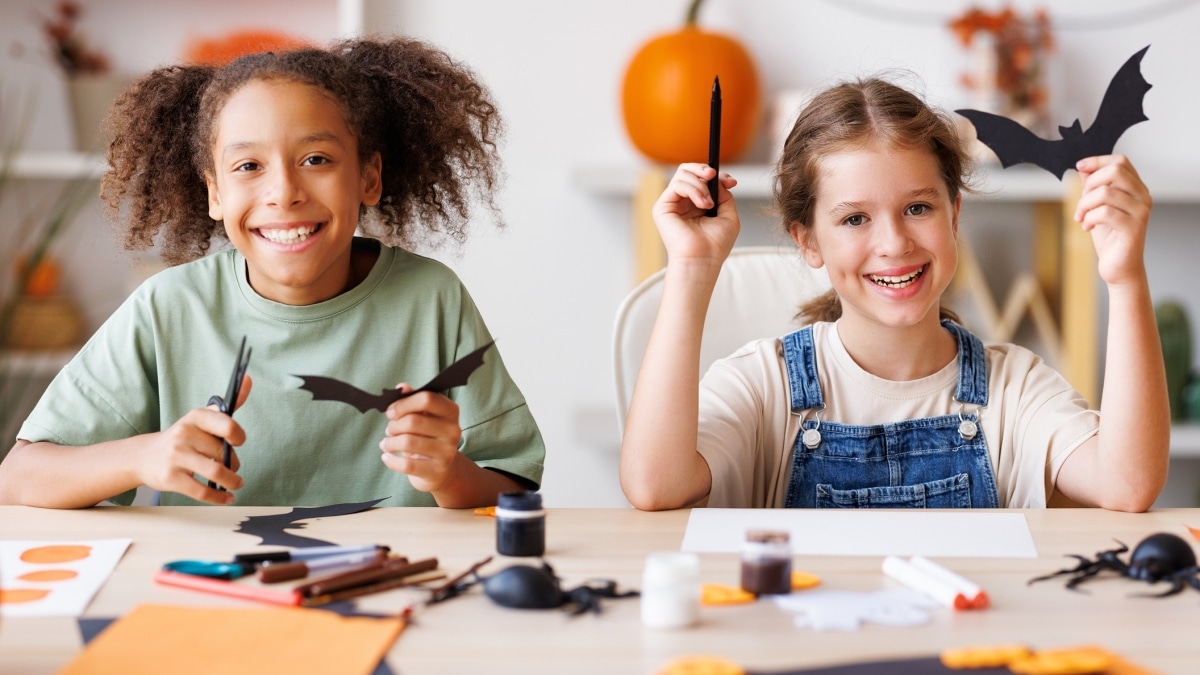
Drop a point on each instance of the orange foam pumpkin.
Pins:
(666, 91)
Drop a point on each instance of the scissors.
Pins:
(209, 568)
(227, 404)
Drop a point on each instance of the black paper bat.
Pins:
(271, 528)
(329, 389)
(1120, 109)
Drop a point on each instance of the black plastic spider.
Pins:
(528, 587)
(1159, 557)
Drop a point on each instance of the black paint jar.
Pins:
(520, 524)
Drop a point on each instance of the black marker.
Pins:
(714, 143)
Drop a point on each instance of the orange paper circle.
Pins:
(49, 575)
(700, 665)
(802, 580)
(11, 596)
(56, 554)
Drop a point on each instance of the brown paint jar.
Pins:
(767, 562)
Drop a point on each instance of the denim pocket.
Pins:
(947, 493)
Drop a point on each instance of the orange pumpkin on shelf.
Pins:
(43, 281)
(666, 91)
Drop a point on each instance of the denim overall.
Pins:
(934, 462)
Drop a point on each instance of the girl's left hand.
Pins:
(422, 439)
(1115, 209)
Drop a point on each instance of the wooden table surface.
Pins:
(470, 634)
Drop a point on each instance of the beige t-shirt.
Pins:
(1033, 421)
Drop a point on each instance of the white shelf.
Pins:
(58, 165)
(1019, 184)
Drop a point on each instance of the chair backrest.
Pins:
(758, 293)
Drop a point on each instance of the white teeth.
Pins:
(897, 282)
(294, 235)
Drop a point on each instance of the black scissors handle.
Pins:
(228, 404)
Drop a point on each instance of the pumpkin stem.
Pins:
(693, 12)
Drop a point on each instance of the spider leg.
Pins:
(1084, 565)
(1084, 576)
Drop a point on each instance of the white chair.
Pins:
(757, 295)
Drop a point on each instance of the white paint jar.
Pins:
(671, 590)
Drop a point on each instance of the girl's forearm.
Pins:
(1135, 422)
(660, 468)
(67, 477)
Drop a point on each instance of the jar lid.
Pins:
(768, 536)
(520, 501)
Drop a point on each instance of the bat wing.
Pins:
(458, 372)
(1014, 144)
(329, 389)
(1120, 109)
(271, 527)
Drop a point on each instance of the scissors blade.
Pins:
(235, 379)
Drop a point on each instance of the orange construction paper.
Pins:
(202, 640)
(1195, 531)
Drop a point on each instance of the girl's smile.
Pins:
(289, 186)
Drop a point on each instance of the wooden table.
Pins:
(472, 635)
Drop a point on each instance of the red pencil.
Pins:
(229, 588)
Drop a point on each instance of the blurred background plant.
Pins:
(70, 47)
(1009, 58)
(35, 315)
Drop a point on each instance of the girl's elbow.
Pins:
(648, 498)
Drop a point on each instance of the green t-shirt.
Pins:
(172, 344)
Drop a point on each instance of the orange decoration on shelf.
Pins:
(49, 575)
(42, 281)
(222, 51)
(56, 554)
(666, 91)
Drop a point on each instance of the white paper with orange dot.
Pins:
(55, 578)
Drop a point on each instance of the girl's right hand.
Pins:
(192, 447)
(679, 215)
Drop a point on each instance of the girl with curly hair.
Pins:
(885, 401)
(285, 156)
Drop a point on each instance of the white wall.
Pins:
(550, 283)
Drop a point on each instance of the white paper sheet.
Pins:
(68, 572)
(967, 534)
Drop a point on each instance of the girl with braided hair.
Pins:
(316, 170)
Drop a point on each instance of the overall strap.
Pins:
(972, 366)
(800, 357)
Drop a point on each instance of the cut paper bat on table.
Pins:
(271, 528)
(1120, 109)
(330, 389)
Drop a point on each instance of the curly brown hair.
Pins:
(433, 124)
(849, 115)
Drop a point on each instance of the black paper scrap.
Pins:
(330, 389)
(272, 528)
(1120, 109)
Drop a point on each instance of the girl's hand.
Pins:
(1115, 209)
(679, 215)
(422, 439)
(193, 446)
